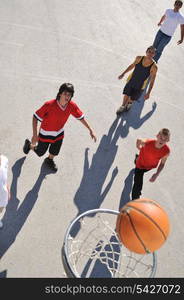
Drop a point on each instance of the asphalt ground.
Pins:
(88, 43)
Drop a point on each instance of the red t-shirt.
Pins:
(149, 155)
(53, 118)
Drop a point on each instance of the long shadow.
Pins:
(16, 215)
(125, 195)
(92, 191)
(89, 194)
(133, 117)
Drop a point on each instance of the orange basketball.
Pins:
(142, 226)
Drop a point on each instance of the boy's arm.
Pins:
(130, 67)
(34, 139)
(140, 143)
(159, 169)
(85, 123)
(153, 74)
(161, 20)
(182, 34)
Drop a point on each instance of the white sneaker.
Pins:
(1, 224)
(121, 109)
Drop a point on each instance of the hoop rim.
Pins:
(70, 272)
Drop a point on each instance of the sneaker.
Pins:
(26, 147)
(136, 156)
(121, 109)
(129, 105)
(1, 224)
(51, 164)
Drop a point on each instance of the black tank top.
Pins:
(140, 74)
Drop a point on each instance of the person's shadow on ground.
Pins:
(92, 190)
(126, 193)
(15, 215)
(3, 274)
(133, 118)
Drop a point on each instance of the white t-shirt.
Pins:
(172, 20)
(3, 181)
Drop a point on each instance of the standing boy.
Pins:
(53, 115)
(144, 68)
(153, 153)
(168, 24)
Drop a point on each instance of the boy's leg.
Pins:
(138, 183)
(164, 40)
(157, 39)
(129, 104)
(126, 98)
(135, 95)
(27, 146)
(54, 150)
(122, 108)
(41, 148)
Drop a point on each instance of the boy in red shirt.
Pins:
(53, 115)
(152, 153)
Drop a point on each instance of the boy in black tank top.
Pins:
(144, 68)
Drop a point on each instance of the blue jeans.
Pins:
(161, 40)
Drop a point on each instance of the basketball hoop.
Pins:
(92, 249)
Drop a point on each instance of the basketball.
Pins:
(142, 226)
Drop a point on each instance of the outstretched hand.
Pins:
(153, 177)
(34, 140)
(93, 135)
(146, 96)
(120, 76)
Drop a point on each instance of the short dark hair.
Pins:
(68, 87)
(179, 2)
(151, 48)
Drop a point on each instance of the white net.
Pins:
(92, 249)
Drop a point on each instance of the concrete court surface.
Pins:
(89, 43)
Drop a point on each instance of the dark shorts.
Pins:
(42, 147)
(133, 93)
